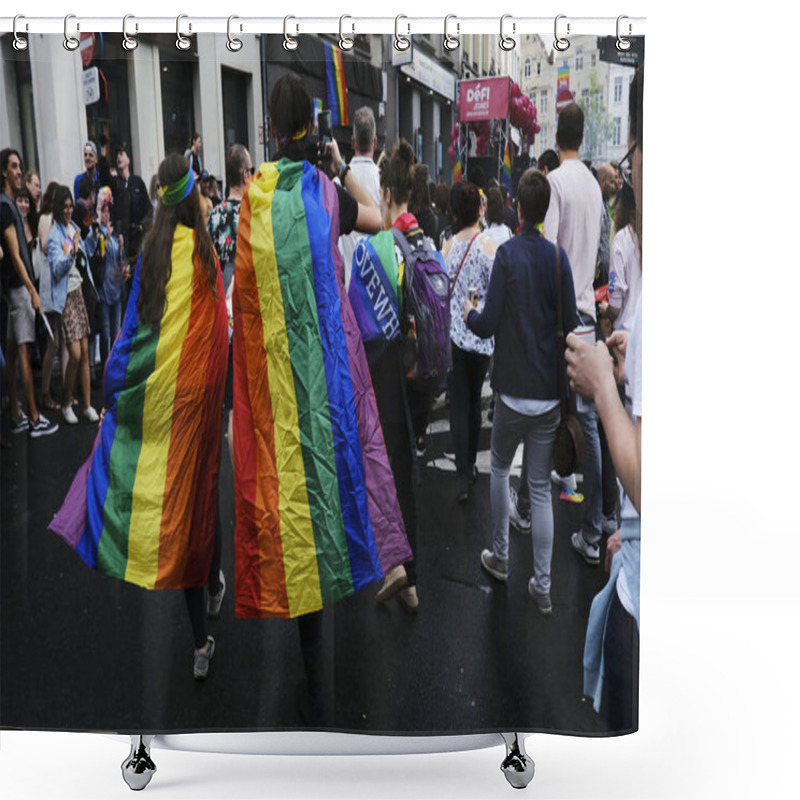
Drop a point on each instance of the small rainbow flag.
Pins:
(337, 90)
(317, 516)
(457, 169)
(507, 162)
(142, 507)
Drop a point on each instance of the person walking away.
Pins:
(159, 443)
(521, 312)
(363, 166)
(574, 221)
(469, 256)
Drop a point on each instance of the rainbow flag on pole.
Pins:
(317, 516)
(337, 90)
(142, 507)
(458, 176)
(507, 162)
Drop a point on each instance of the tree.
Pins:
(598, 125)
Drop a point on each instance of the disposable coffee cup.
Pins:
(586, 332)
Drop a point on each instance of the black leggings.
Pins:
(466, 380)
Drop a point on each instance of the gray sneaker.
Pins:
(515, 519)
(589, 552)
(610, 526)
(202, 660)
(494, 566)
(543, 602)
(215, 600)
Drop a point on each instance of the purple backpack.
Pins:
(426, 313)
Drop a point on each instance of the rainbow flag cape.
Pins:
(317, 516)
(337, 90)
(142, 507)
(507, 162)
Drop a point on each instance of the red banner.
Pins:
(484, 98)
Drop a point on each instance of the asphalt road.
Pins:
(81, 651)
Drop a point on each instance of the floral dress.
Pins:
(223, 222)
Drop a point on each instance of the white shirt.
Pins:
(574, 219)
(498, 232)
(625, 278)
(369, 176)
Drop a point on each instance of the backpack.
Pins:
(426, 313)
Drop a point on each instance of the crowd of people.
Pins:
(571, 231)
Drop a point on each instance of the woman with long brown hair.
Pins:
(144, 506)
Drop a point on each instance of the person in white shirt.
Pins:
(573, 221)
(497, 230)
(364, 142)
(625, 272)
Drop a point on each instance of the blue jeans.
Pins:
(537, 432)
(110, 316)
(592, 479)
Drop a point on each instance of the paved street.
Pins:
(81, 651)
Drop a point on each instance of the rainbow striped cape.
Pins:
(143, 505)
(317, 516)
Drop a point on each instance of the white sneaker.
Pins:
(69, 415)
(565, 483)
(91, 415)
(515, 519)
(589, 552)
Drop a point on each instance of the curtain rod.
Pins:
(453, 25)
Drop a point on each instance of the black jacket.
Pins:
(520, 312)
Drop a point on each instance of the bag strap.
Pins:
(466, 252)
(561, 340)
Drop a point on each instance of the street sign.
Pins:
(607, 45)
(90, 83)
(87, 48)
(563, 99)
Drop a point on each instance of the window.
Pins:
(617, 90)
(579, 61)
(543, 109)
(585, 95)
(538, 67)
(594, 59)
(533, 98)
(527, 68)
(617, 131)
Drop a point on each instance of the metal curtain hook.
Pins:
(561, 43)
(622, 42)
(288, 42)
(451, 42)
(20, 43)
(182, 43)
(401, 41)
(345, 43)
(70, 42)
(234, 45)
(506, 42)
(128, 42)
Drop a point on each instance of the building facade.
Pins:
(155, 97)
(580, 69)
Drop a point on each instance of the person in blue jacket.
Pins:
(521, 312)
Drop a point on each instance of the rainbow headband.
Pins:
(178, 191)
